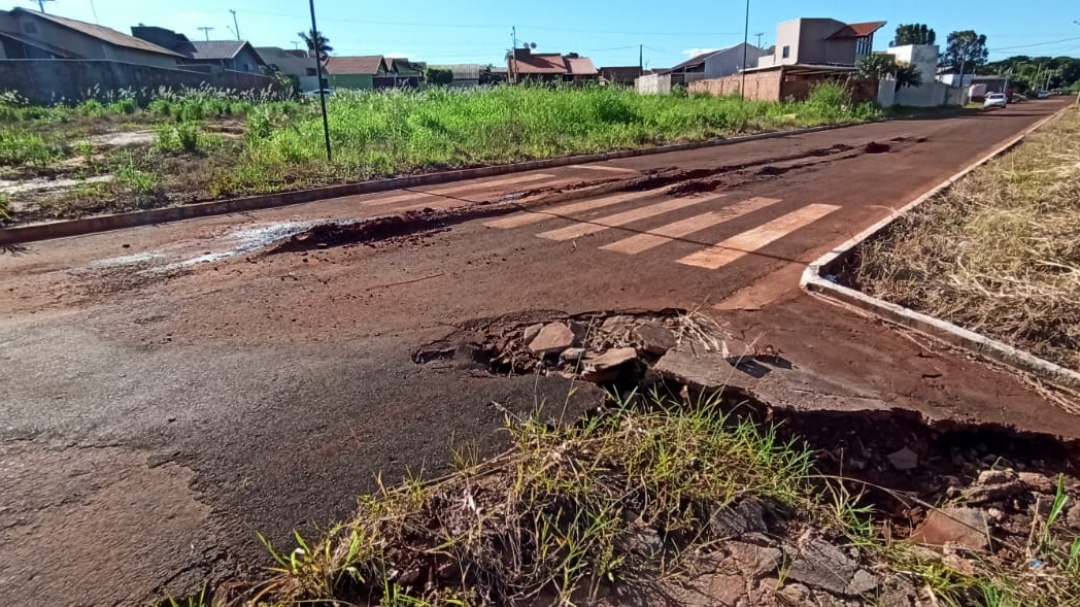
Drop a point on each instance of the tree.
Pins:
(965, 50)
(573, 56)
(883, 66)
(913, 33)
(438, 76)
(317, 44)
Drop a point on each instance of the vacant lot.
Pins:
(122, 155)
(999, 253)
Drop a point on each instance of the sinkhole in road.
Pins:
(898, 461)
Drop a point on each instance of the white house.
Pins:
(930, 92)
(721, 62)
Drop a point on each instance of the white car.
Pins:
(1044, 94)
(995, 100)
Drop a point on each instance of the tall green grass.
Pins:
(376, 134)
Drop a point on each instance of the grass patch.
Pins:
(276, 145)
(999, 252)
(626, 502)
(613, 500)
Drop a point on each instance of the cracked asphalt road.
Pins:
(169, 391)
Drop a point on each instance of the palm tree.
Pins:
(317, 44)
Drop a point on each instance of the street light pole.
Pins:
(319, 72)
(745, 40)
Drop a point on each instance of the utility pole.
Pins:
(41, 4)
(206, 31)
(641, 58)
(513, 54)
(759, 35)
(745, 40)
(319, 72)
(236, 26)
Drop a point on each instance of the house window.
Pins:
(311, 71)
(863, 47)
(29, 27)
(786, 52)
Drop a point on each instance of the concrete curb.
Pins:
(104, 223)
(814, 282)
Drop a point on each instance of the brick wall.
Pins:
(782, 85)
(760, 86)
(47, 81)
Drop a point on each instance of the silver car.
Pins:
(995, 100)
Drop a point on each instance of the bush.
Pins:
(438, 76)
(5, 207)
(19, 148)
(91, 108)
(829, 95)
(185, 136)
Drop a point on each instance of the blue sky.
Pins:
(478, 31)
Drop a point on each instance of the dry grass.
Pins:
(998, 253)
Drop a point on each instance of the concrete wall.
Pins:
(47, 81)
(661, 84)
(922, 56)
(84, 46)
(929, 94)
(814, 48)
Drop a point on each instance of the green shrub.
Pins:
(5, 207)
(91, 108)
(20, 148)
(126, 105)
(185, 137)
(829, 95)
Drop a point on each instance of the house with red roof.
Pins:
(821, 42)
(524, 65)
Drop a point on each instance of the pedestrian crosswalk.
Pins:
(711, 210)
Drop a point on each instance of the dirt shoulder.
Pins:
(997, 252)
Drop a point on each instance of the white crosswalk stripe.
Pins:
(450, 190)
(611, 221)
(524, 219)
(681, 229)
(738, 246)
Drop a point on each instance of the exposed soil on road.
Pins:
(262, 374)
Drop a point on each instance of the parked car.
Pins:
(315, 94)
(995, 100)
(1044, 94)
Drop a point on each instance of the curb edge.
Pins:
(814, 283)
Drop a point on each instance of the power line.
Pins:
(1006, 48)
(493, 26)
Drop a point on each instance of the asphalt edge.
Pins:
(814, 282)
(104, 223)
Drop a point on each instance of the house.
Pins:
(294, 63)
(357, 72)
(721, 62)
(27, 34)
(465, 74)
(930, 92)
(402, 73)
(525, 66)
(233, 55)
(620, 75)
(820, 41)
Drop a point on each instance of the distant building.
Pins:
(294, 63)
(465, 74)
(525, 66)
(721, 62)
(31, 35)
(234, 55)
(356, 72)
(816, 41)
(930, 92)
(620, 75)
